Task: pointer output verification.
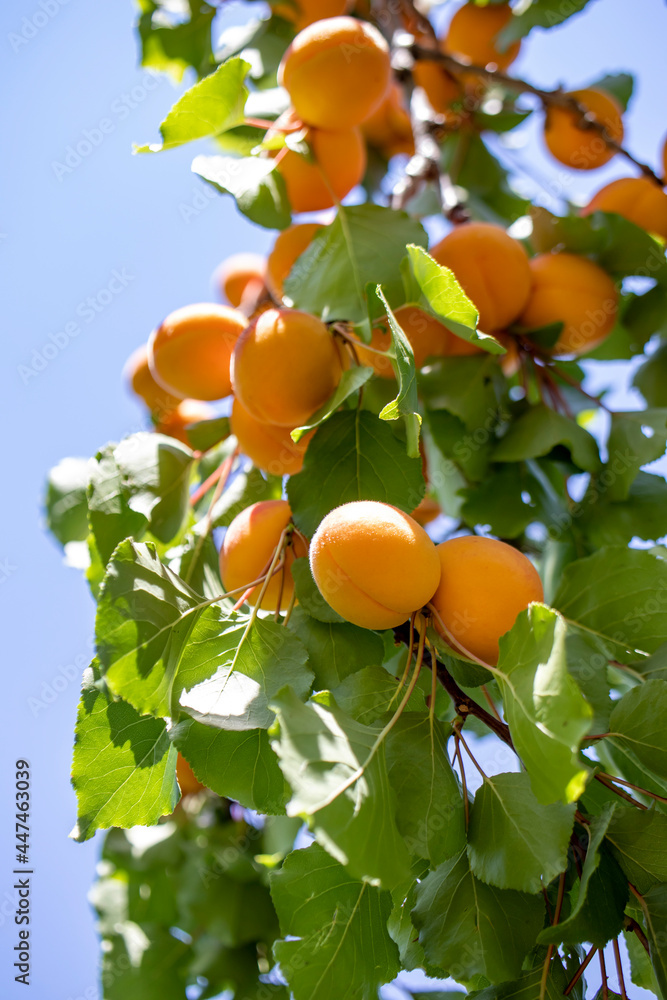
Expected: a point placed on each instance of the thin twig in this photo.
(579, 973)
(550, 949)
(619, 968)
(605, 780)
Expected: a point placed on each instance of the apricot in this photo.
(638, 199)
(301, 13)
(337, 72)
(189, 352)
(427, 335)
(491, 267)
(248, 549)
(137, 375)
(270, 448)
(240, 278)
(338, 165)
(579, 147)
(188, 782)
(373, 564)
(441, 88)
(287, 249)
(472, 34)
(284, 367)
(575, 291)
(426, 511)
(484, 585)
(389, 128)
(175, 423)
(664, 160)
(510, 362)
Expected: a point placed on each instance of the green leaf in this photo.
(635, 439)
(655, 902)
(147, 618)
(342, 790)
(65, 501)
(642, 514)
(468, 928)
(442, 295)
(252, 663)
(539, 14)
(197, 562)
(515, 842)
(619, 85)
(336, 650)
(458, 446)
(254, 183)
(172, 48)
(539, 430)
(637, 722)
(430, 805)
(351, 381)
(598, 907)
(529, 986)
(353, 456)
(311, 601)
(237, 765)
(124, 768)
(206, 434)
(640, 964)
(651, 377)
(498, 501)
(465, 387)
(371, 692)
(491, 192)
(213, 105)
(406, 403)
(340, 924)
(110, 515)
(545, 710)
(363, 246)
(616, 594)
(245, 489)
(638, 840)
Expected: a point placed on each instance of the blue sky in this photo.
(92, 258)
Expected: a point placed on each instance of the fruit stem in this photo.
(603, 973)
(464, 782)
(225, 472)
(619, 968)
(411, 640)
(579, 973)
(490, 702)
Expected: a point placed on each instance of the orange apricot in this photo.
(491, 267)
(284, 367)
(337, 72)
(472, 34)
(189, 352)
(510, 362)
(188, 782)
(249, 546)
(338, 164)
(484, 585)
(664, 160)
(270, 448)
(301, 13)
(427, 335)
(240, 278)
(572, 143)
(373, 564)
(287, 249)
(638, 199)
(137, 375)
(389, 128)
(174, 423)
(575, 291)
(426, 511)
(440, 87)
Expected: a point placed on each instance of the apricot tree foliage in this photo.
(454, 387)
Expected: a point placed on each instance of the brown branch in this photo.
(549, 98)
(579, 973)
(607, 782)
(632, 925)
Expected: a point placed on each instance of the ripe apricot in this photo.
(304, 12)
(174, 423)
(426, 511)
(189, 352)
(438, 84)
(284, 367)
(338, 164)
(337, 72)
(248, 549)
(638, 199)
(389, 128)
(484, 585)
(287, 249)
(241, 277)
(575, 291)
(269, 447)
(427, 335)
(138, 376)
(579, 147)
(188, 782)
(491, 267)
(472, 34)
(373, 564)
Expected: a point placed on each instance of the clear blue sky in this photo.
(62, 239)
